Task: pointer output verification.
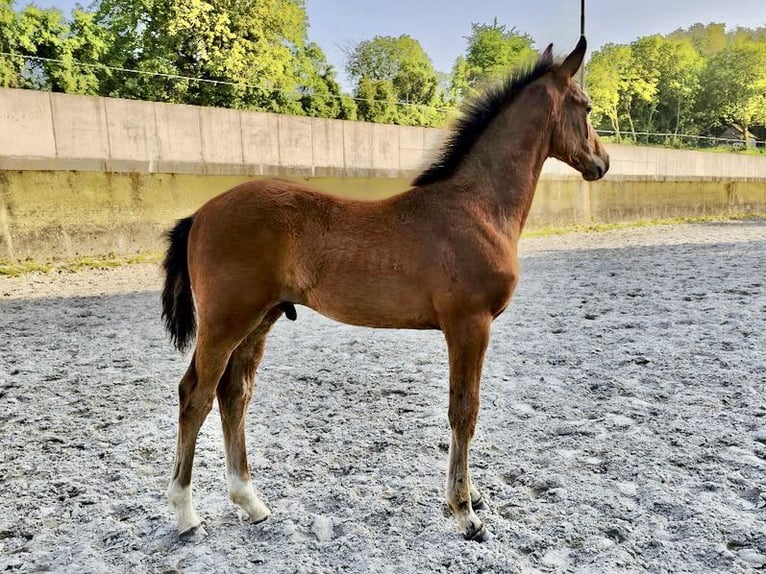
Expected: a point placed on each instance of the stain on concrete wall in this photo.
(54, 214)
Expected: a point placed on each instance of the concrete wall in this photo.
(66, 214)
(49, 131)
(84, 176)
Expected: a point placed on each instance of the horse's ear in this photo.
(547, 56)
(573, 61)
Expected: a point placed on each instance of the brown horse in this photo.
(441, 255)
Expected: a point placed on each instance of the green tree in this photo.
(252, 54)
(43, 33)
(740, 34)
(492, 51)
(608, 78)
(690, 81)
(376, 100)
(395, 81)
(665, 81)
(10, 67)
(707, 39)
(53, 48)
(639, 100)
(680, 69)
(651, 85)
(734, 86)
(321, 95)
(86, 44)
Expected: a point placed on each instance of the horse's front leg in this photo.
(467, 340)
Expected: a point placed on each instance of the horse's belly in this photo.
(368, 302)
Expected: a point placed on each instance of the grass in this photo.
(601, 227)
(21, 268)
(109, 261)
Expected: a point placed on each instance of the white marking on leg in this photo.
(243, 495)
(181, 499)
(459, 491)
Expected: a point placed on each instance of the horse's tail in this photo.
(177, 301)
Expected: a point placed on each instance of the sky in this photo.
(442, 25)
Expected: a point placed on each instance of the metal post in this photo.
(582, 33)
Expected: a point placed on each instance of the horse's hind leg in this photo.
(196, 393)
(467, 340)
(234, 394)
(477, 498)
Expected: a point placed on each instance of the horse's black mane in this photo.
(476, 114)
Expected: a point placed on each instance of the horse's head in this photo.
(573, 139)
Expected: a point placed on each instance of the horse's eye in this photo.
(588, 108)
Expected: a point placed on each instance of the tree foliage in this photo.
(493, 51)
(10, 67)
(707, 39)
(320, 91)
(251, 54)
(691, 81)
(608, 83)
(54, 47)
(232, 53)
(395, 81)
(735, 86)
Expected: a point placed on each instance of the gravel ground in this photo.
(622, 429)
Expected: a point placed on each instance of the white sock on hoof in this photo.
(243, 495)
(181, 499)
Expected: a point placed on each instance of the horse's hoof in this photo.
(480, 535)
(255, 521)
(256, 517)
(194, 534)
(479, 503)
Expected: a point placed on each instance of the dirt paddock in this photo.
(622, 428)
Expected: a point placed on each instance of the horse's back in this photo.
(359, 262)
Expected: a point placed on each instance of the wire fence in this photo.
(677, 140)
(268, 88)
(682, 140)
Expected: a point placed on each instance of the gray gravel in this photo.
(622, 429)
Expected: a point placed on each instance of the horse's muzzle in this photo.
(597, 169)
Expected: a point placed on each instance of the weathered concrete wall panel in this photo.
(260, 141)
(79, 125)
(296, 151)
(357, 148)
(385, 150)
(26, 125)
(132, 132)
(179, 135)
(327, 147)
(413, 151)
(221, 138)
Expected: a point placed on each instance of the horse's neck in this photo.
(505, 163)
